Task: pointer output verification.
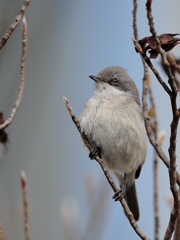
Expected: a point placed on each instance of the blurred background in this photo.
(68, 195)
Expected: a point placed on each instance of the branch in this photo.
(147, 120)
(149, 63)
(145, 85)
(134, 13)
(174, 125)
(106, 173)
(156, 183)
(25, 205)
(14, 24)
(159, 48)
(16, 106)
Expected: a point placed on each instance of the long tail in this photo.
(131, 198)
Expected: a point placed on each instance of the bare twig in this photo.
(159, 48)
(14, 24)
(155, 129)
(106, 173)
(156, 73)
(134, 13)
(156, 198)
(16, 106)
(177, 229)
(156, 146)
(155, 178)
(25, 205)
(151, 137)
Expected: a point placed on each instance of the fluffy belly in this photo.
(118, 132)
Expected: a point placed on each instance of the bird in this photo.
(112, 120)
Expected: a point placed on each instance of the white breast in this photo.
(112, 121)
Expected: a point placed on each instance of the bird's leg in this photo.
(121, 192)
(95, 152)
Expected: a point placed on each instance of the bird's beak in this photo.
(95, 78)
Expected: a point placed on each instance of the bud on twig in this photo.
(23, 180)
(24, 26)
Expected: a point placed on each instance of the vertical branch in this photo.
(16, 106)
(147, 87)
(159, 48)
(134, 13)
(25, 205)
(147, 120)
(156, 198)
(174, 125)
(155, 164)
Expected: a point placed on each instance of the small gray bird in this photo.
(112, 120)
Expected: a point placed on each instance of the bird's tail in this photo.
(131, 198)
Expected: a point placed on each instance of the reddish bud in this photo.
(23, 180)
(24, 26)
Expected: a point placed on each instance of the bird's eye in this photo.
(114, 80)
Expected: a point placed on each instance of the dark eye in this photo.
(114, 80)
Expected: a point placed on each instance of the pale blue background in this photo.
(67, 41)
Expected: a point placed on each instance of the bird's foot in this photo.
(94, 153)
(121, 192)
(118, 195)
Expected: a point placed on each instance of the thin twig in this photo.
(145, 78)
(134, 13)
(106, 173)
(156, 198)
(155, 178)
(156, 73)
(159, 48)
(174, 125)
(147, 120)
(16, 106)
(14, 24)
(177, 229)
(25, 205)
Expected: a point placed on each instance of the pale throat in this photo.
(106, 89)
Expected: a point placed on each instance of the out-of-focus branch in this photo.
(16, 106)
(155, 163)
(106, 173)
(14, 24)
(25, 205)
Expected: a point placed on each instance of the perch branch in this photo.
(16, 106)
(106, 173)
